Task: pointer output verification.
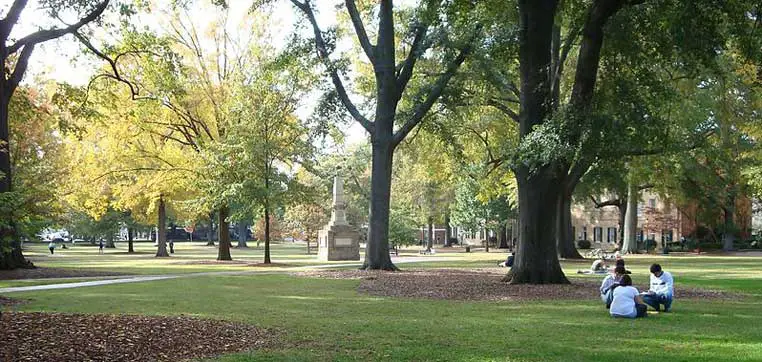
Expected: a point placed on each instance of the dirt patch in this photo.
(480, 285)
(42, 273)
(4, 301)
(78, 337)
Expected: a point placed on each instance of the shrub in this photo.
(453, 241)
(709, 246)
(583, 244)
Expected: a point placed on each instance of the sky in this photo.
(61, 60)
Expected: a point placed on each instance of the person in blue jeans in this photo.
(662, 289)
(610, 282)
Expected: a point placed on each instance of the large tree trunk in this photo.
(242, 230)
(448, 228)
(728, 236)
(210, 233)
(564, 234)
(162, 230)
(110, 241)
(130, 241)
(223, 252)
(503, 237)
(11, 256)
(267, 232)
(630, 244)
(536, 258)
(377, 246)
(622, 214)
(430, 241)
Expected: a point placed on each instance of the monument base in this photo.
(338, 242)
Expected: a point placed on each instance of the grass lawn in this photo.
(323, 319)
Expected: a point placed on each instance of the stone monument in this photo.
(338, 240)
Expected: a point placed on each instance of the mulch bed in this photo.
(41, 273)
(9, 301)
(231, 262)
(479, 285)
(78, 337)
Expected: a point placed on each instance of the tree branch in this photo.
(333, 72)
(503, 108)
(45, 35)
(416, 50)
(20, 68)
(422, 108)
(598, 204)
(10, 20)
(362, 36)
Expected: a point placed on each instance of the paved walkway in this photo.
(148, 278)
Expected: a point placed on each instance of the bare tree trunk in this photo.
(622, 214)
(242, 230)
(223, 252)
(130, 242)
(503, 237)
(430, 241)
(377, 246)
(448, 228)
(630, 244)
(536, 256)
(728, 237)
(267, 232)
(162, 230)
(564, 234)
(110, 241)
(210, 233)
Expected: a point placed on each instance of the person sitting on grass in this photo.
(627, 302)
(598, 267)
(662, 289)
(620, 262)
(508, 262)
(610, 282)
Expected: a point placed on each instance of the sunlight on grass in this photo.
(326, 319)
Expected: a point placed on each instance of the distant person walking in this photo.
(100, 247)
(52, 247)
(171, 246)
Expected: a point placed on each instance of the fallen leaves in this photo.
(479, 284)
(79, 337)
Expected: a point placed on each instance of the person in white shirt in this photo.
(627, 302)
(662, 289)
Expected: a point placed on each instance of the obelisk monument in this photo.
(338, 240)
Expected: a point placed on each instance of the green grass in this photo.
(324, 320)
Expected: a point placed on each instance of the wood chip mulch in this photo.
(480, 285)
(122, 338)
(42, 273)
(9, 301)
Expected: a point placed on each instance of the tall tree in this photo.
(392, 79)
(14, 58)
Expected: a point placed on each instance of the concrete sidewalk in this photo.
(148, 278)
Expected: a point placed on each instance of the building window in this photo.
(640, 234)
(652, 203)
(611, 235)
(584, 233)
(598, 234)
